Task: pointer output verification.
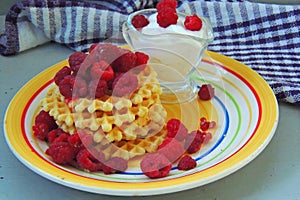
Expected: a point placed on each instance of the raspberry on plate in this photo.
(88, 161)
(155, 165)
(97, 88)
(115, 164)
(194, 141)
(186, 163)
(193, 23)
(59, 76)
(61, 152)
(206, 92)
(125, 84)
(55, 135)
(139, 21)
(44, 117)
(75, 60)
(171, 149)
(176, 129)
(102, 70)
(66, 86)
(124, 62)
(40, 131)
(141, 58)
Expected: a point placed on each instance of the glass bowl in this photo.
(174, 52)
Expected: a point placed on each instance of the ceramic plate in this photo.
(244, 108)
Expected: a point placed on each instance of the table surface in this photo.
(274, 174)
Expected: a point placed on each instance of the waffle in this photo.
(119, 118)
(130, 149)
(55, 104)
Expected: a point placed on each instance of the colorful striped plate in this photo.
(244, 107)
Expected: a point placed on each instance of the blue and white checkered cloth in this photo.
(266, 37)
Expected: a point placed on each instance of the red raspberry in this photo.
(102, 70)
(66, 86)
(87, 160)
(75, 142)
(141, 58)
(194, 141)
(97, 88)
(92, 47)
(177, 130)
(106, 52)
(55, 133)
(80, 87)
(40, 131)
(204, 125)
(166, 17)
(115, 164)
(44, 117)
(206, 92)
(166, 3)
(193, 23)
(171, 149)
(75, 60)
(65, 71)
(186, 163)
(206, 137)
(125, 84)
(155, 165)
(139, 21)
(125, 62)
(61, 152)
(86, 139)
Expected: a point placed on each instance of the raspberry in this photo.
(102, 70)
(65, 71)
(125, 62)
(55, 133)
(75, 60)
(88, 162)
(40, 131)
(155, 165)
(97, 88)
(206, 92)
(193, 141)
(171, 149)
(125, 84)
(92, 47)
(193, 23)
(115, 164)
(186, 163)
(75, 142)
(204, 125)
(61, 152)
(80, 87)
(106, 52)
(86, 139)
(44, 117)
(139, 21)
(166, 17)
(66, 86)
(206, 137)
(177, 130)
(141, 58)
(166, 3)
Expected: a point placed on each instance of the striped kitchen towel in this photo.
(266, 37)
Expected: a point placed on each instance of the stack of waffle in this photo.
(120, 126)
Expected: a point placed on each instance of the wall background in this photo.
(6, 4)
